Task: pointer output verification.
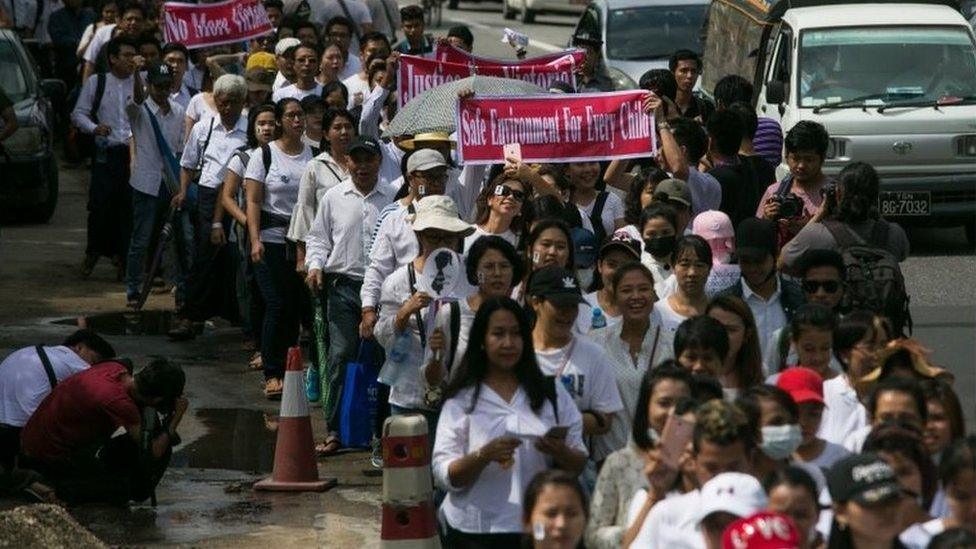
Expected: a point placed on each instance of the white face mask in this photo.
(780, 441)
(585, 277)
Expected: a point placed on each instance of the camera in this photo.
(790, 206)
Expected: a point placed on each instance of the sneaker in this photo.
(376, 458)
(313, 384)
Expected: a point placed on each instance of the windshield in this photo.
(654, 32)
(885, 65)
(12, 80)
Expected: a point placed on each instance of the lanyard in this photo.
(569, 354)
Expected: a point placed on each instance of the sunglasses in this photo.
(502, 190)
(829, 286)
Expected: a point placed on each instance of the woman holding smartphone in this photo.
(492, 433)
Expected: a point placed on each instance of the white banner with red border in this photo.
(555, 128)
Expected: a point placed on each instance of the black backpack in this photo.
(873, 276)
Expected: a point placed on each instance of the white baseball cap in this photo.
(736, 493)
(286, 44)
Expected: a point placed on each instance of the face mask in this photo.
(653, 436)
(585, 277)
(780, 441)
(660, 246)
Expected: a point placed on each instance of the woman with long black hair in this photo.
(501, 423)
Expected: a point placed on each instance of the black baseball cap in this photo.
(756, 238)
(864, 478)
(159, 74)
(365, 144)
(462, 32)
(556, 285)
(622, 242)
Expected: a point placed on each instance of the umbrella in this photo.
(434, 109)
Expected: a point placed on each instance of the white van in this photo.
(895, 86)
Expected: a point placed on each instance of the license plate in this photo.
(905, 203)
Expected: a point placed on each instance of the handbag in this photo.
(360, 394)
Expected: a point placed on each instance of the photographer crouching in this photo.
(69, 439)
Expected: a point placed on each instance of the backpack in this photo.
(872, 273)
(586, 243)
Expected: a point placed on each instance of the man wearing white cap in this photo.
(336, 258)
(285, 59)
(394, 243)
(726, 498)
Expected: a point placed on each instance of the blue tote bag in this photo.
(359, 399)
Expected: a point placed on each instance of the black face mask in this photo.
(660, 246)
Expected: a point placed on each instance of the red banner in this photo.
(555, 128)
(419, 74)
(201, 25)
(451, 54)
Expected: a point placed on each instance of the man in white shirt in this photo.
(285, 61)
(131, 23)
(25, 380)
(109, 202)
(372, 44)
(771, 298)
(394, 243)
(304, 84)
(337, 254)
(177, 57)
(212, 142)
(340, 30)
(323, 11)
(151, 171)
(724, 441)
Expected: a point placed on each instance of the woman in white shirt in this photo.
(658, 230)
(492, 266)
(617, 251)
(502, 423)
(633, 346)
(499, 210)
(271, 182)
(260, 131)
(325, 171)
(332, 63)
(584, 177)
(692, 260)
(401, 328)
(108, 12)
(639, 196)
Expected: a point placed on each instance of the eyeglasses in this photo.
(829, 286)
(295, 115)
(502, 190)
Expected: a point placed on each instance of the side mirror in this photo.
(53, 88)
(775, 92)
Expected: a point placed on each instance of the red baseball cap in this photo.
(803, 384)
(763, 530)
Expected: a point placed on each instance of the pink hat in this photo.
(712, 225)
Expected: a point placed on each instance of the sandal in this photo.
(256, 364)
(273, 388)
(329, 447)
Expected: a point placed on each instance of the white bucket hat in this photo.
(439, 212)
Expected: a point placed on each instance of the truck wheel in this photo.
(528, 15)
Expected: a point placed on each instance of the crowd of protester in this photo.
(676, 351)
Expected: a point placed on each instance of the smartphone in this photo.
(675, 438)
(513, 151)
(559, 431)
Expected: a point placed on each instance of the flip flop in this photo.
(256, 364)
(329, 447)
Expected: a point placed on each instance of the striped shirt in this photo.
(768, 142)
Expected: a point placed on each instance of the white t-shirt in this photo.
(198, 108)
(918, 535)
(669, 320)
(832, 453)
(613, 210)
(507, 236)
(280, 185)
(586, 374)
(24, 383)
(593, 301)
(102, 37)
(844, 413)
(279, 82)
(671, 524)
(358, 89)
(292, 90)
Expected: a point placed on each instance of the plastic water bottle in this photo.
(101, 149)
(599, 320)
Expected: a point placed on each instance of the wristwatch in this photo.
(663, 125)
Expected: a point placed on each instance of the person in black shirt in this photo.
(740, 186)
(765, 171)
(687, 67)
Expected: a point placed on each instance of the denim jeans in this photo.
(344, 313)
(109, 205)
(146, 209)
(211, 290)
(282, 289)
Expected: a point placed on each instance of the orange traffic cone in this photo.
(294, 466)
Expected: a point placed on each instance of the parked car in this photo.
(639, 35)
(530, 8)
(894, 83)
(29, 186)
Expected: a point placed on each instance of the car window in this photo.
(654, 32)
(12, 78)
(886, 64)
